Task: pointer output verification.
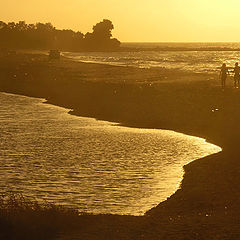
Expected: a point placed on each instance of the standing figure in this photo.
(223, 75)
(236, 71)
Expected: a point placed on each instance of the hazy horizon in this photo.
(181, 42)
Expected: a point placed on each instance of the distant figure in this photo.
(223, 75)
(236, 71)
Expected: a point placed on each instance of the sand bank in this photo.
(206, 206)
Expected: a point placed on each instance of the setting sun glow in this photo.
(136, 20)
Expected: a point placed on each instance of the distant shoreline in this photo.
(149, 49)
(178, 49)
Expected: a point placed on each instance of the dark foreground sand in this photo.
(208, 204)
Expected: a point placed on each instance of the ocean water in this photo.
(94, 166)
(186, 61)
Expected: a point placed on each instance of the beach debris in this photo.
(54, 54)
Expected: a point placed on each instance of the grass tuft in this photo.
(21, 218)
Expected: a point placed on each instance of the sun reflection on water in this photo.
(92, 165)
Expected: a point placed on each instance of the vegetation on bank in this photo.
(25, 219)
(21, 218)
(45, 36)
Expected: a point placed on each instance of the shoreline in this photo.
(115, 124)
(207, 187)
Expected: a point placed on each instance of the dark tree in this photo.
(103, 30)
(100, 39)
(46, 36)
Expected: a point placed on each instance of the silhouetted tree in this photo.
(100, 38)
(46, 36)
(103, 30)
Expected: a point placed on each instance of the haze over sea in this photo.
(94, 166)
(190, 60)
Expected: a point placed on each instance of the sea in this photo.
(186, 57)
(93, 166)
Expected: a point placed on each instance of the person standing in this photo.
(236, 71)
(223, 75)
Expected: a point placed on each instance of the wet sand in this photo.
(207, 205)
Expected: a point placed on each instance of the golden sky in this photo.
(136, 20)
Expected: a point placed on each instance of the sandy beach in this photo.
(207, 204)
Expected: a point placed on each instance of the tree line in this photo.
(45, 36)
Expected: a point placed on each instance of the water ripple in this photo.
(92, 165)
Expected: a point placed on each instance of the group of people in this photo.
(225, 71)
